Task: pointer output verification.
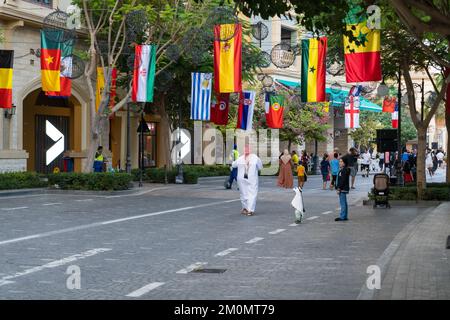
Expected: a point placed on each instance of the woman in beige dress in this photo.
(285, 177)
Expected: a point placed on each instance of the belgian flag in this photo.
(6, 75)
(50, 64)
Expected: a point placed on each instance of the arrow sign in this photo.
(183, 145)
(56, 136)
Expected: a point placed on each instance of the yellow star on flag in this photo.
(49, 59)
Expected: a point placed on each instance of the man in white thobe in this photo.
(248, 166)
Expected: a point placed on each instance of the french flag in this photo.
(245, 111)
(395, 117)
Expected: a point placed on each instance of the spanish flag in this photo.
(228, 58)
(50, 64)
(314, 52)
(362, 50)
(6, 74)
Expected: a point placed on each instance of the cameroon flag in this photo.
(314, 52)
(362, 50)
(65, 81)
(228, 58)
(6, 74)
(50, 64)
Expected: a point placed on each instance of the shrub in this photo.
(434, 191)
(191, 173)
(90, 181)
(20, 180)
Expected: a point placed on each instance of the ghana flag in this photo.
(314, 52)
(228, 58)
(6, 74)
(50, 64)
(361, 48)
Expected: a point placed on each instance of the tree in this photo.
(165, 22)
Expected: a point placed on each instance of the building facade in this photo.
(24, 142)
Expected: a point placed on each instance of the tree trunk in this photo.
(421, 170)
(447, 124)
(289, 144)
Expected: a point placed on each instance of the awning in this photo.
(337, 97)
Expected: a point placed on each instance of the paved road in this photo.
(144, 245)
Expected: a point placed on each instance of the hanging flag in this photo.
(267, 102)
(395, 117)
(313, 69)
(65, 74)
(99, 88)
(274, 117)
(245, 111)
(200, 96)
(352, 108)
(144, 73)
(6, 76)
(219, 110)
(389, 104)
(50, 64)
(228, 58)
(112, 91)
(362, 51)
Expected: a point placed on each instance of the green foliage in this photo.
(191, 173)
(433, 192)
(20, 180)
(90, 181)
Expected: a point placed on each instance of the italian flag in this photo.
(144, 73)
(314, 53)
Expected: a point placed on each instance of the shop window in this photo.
(150, 146)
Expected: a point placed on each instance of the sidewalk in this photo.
(419, 267)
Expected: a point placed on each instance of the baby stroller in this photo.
(381, 190)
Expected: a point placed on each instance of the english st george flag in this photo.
(6, 76)
(314, 52)
(228, 58)
(144, 73)
(362, 50)
(245, 111)
(219, 110)
(352, 108)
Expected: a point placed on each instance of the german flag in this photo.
(228, 58)
(6, 75)
(361, 49)
(314, 53)
(50, 64)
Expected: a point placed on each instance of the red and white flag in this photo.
(395, 117)
(219, 111)
(352, 108)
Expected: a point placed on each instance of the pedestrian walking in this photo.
(342, 188)
(407, 174)
(440, 158)
(305, 159)
(325, 171)
(352, 163)
(99, 160)
(285, 177)
(301, 174)
(233, 174)
(365, 164)
(429, 163)
(295, 159)
(334, 164)
(248, 166)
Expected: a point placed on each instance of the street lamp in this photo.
(128, 161)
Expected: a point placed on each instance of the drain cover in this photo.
(211, 270)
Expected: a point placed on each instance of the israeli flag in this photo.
(201, 96)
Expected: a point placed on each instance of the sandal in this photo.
(249, 213)
(244, 211)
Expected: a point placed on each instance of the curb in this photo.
(422, 203)
(20, 192)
